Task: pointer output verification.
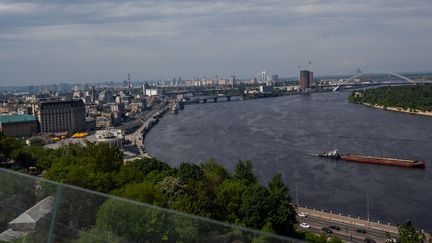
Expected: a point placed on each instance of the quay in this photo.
(148, 121)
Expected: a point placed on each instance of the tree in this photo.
(282, 215)
(189, 172)
(145, 192)
(143, 169)
(7, 145)
(216, 173)
(96, 235)
(229, 197)
(37, 142)
(243, 171)
(409, 234)
(255, 206)
(133, 221)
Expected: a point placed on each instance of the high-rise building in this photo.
(62, 116)
(262, 77)
(306, 79)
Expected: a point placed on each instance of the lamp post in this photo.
(367, 196)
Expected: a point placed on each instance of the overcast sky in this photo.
(86, 40)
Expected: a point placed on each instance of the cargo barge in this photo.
(334, 154)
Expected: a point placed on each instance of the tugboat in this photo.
(334, 154)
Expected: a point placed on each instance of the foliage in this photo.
(146, 192)
(206, 189)
(134, 222)
(229, 196)
(92, 166)
(282, 215)
(243, 171)
(416, 97)
(408, 233)
(8, 145)
(319, 238)
(96, 235)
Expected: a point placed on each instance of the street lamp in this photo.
(367, 196)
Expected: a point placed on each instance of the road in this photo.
(136, 138)
(348, 226)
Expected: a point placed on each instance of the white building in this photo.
(114, 137)
(153, 92)
(263, 77)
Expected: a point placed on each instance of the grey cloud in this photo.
(103, 39)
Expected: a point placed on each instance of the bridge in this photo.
(202, 91)
(205, 99)
(354, 81)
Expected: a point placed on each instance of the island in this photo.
(415, 99)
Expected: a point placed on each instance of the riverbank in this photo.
(398, 109)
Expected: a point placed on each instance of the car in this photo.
(304, 225)
(391, 239)
(361, 231)
(369, 240)
(302, 215)
(327, 230)
(335, 227)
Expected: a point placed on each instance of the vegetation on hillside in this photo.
(416, 97)
(206, 189)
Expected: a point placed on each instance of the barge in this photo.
(334, 154)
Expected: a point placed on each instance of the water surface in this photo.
(279, 134)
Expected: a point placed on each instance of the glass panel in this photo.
(33, 209)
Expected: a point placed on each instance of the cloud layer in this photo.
(70, 41)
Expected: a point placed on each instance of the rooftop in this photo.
(16, 118)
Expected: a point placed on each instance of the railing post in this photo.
(54, 213)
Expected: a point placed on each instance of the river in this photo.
(279, 134)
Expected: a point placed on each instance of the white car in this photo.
(304, 225)
(302, 215)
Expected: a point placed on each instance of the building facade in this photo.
(111, 136)
(306, 79)
(62, 116)
(18, 125)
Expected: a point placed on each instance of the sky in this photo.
(47, 41)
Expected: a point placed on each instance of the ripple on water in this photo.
(279, 135)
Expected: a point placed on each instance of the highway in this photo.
(347, 231)
(348, 226)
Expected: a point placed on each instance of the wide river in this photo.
(280, 134)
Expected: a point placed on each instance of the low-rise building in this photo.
(18, 125)
(113, 137)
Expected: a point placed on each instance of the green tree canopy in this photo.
(244, 171)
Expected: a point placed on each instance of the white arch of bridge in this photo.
(378, 72)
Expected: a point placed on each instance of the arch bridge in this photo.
(350, 80)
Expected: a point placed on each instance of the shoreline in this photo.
(397, 109)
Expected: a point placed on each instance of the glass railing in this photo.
(34, 209)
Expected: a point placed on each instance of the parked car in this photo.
(302, 215)
(304, 225)
(361, 231)
(327, 230)
(334, 227)
(369, 240)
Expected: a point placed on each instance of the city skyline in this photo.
(58, 41)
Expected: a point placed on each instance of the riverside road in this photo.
(279, 134)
